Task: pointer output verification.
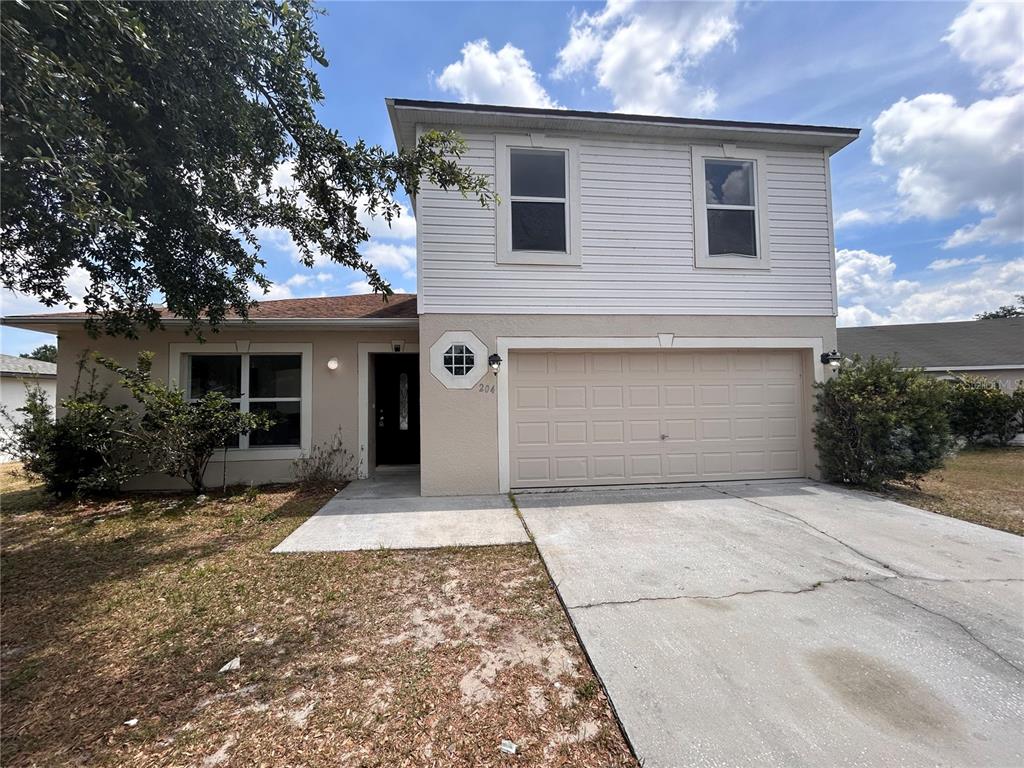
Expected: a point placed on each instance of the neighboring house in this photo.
(648, 303)
(990, 348)
(17, 374)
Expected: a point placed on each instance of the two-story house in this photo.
(649, 302)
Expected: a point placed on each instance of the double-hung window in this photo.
(729, 209)
(538, 216)
(254, 383)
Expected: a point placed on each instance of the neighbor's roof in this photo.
(406, 114)
(973, 344)
(364, 309)
(25, 366)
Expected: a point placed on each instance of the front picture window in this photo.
(459, 360)
(270, 384)
(731, 207)
(538, 199)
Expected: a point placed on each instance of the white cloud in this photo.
(392, 256)
(644, 54)
(990, 37)
(870, 294)
(952, 159)
(359, 286)
(856, 216)
(863, 278)
(943, 264)
(299, 285)
(484, 76)
(76, 283)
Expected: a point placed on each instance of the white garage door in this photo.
(606, 418)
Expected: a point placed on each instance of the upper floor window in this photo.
(538, 216)
(539, 210)
(729, 209)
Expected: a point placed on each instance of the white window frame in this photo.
(179, 367)
(702, 258)
(504, 144)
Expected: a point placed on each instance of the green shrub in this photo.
(87, 451)
(176, 436)
(877, 423)
(980, 411)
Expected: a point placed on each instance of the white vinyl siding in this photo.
(637, 241)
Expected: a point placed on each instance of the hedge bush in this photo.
(981, 412)
(877, 423)
(86, 452)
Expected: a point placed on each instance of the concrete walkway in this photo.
(793, 624)
(387, 512)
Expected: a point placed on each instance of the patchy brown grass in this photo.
(984, 486)
(127, 609)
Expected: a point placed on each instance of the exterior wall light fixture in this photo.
(495, 362)
(832, 358)
(332, 364)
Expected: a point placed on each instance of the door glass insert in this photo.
(403, 401)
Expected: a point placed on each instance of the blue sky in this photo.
(929, 202)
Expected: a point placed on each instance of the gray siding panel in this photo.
(637, 242)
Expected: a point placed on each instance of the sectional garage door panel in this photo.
(606, 418)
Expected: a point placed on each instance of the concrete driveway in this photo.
(793, 624)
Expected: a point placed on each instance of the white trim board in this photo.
(365, 349)
(174, 369)
(507, 344)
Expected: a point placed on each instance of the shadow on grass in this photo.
(70, 570)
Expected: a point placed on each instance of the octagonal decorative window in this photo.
(459, 360)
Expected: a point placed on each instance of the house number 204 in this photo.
(485, 388)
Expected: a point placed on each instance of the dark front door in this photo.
(397, 400)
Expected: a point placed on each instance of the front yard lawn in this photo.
(983, 485)
(125, 610)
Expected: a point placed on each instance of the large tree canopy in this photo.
(139, 141)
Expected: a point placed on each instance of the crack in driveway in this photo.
(953, 621)
(790, 515)
(659, 598)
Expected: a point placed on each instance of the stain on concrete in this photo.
(882, 694)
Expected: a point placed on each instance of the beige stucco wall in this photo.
(335, 393)
(465, 460)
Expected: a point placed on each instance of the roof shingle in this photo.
(26, 366)
(359, 307)
(940, 345)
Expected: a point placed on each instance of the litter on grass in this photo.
(232, 665)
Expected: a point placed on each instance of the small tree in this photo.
(176, 436)
(1007, 310)
(980, 411)
(877, 423)
(87, 451)
(45, 352)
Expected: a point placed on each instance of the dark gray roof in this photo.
(623, 116)
(24, 366)
(973, 343)
(407, 114)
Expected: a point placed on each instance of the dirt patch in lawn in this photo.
(118, 615)
(984, 486)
